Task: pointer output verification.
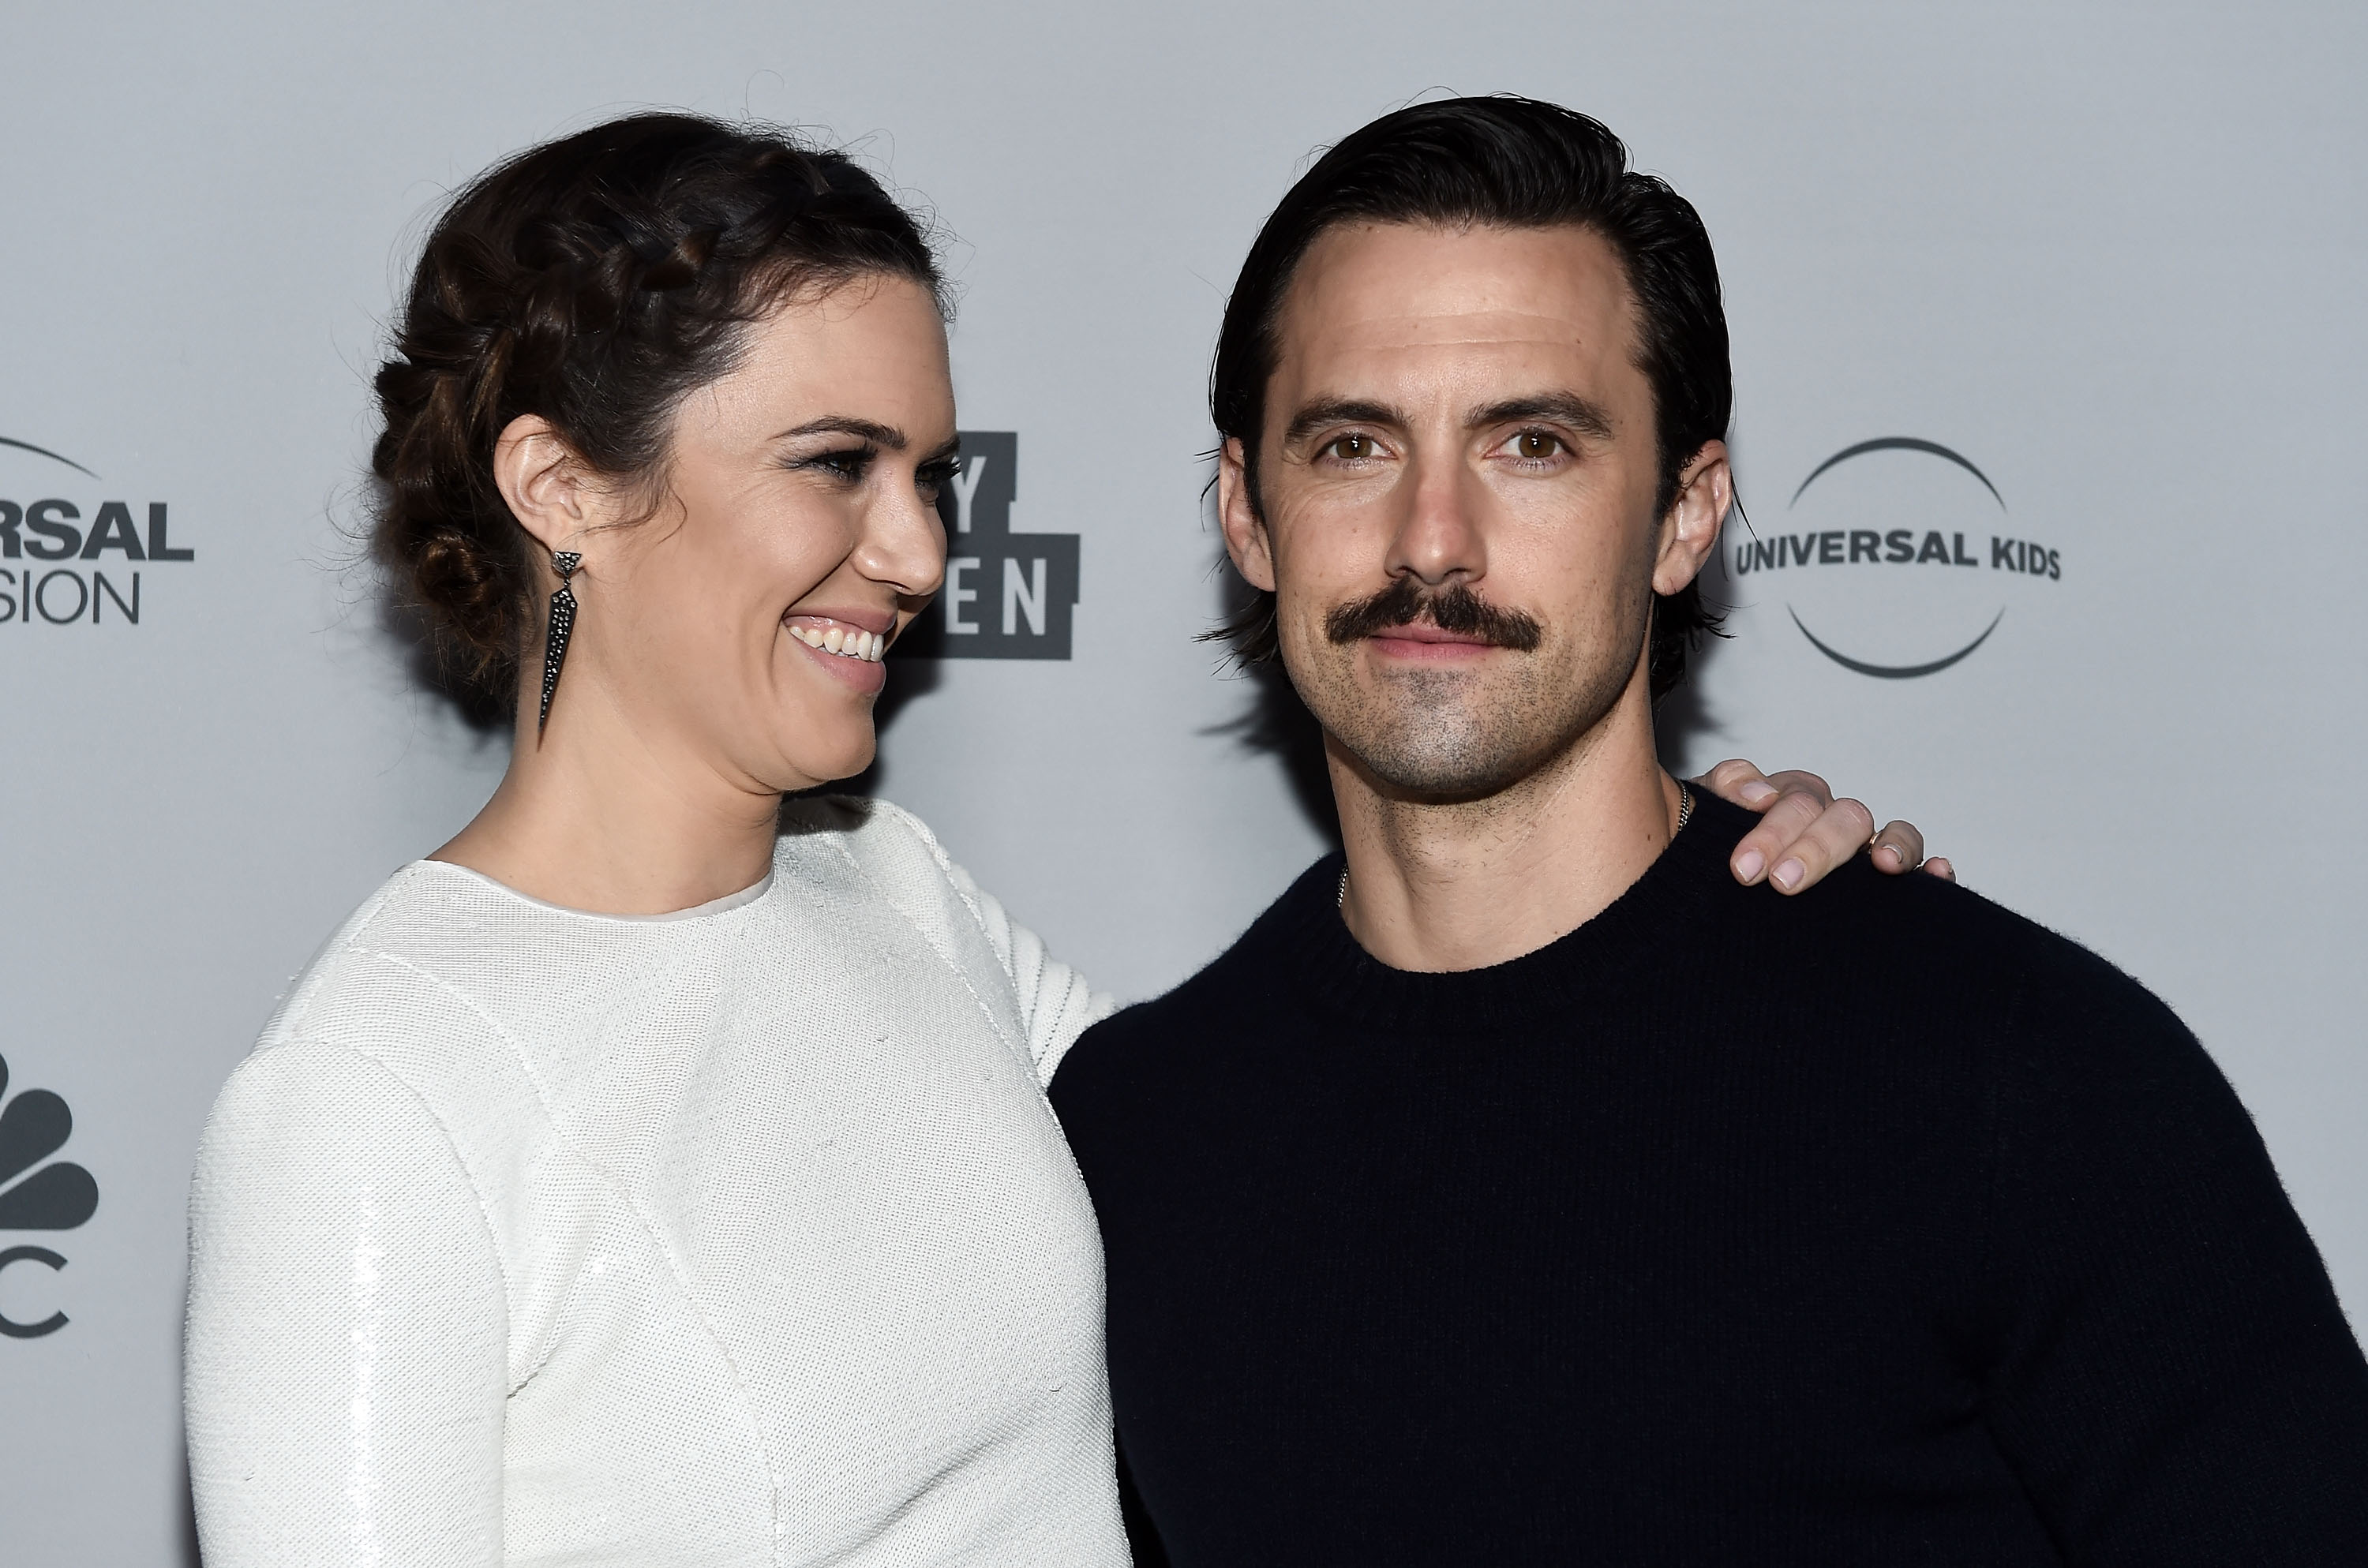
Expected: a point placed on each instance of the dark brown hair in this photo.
(595, 281)
(1513, 163)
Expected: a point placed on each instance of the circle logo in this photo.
(1896, 560)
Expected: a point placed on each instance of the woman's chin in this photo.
(828, 765)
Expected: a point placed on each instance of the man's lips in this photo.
(1422, 631)
(1427, 644)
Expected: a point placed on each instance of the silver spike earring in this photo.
(562, 622)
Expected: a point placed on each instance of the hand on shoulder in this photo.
(1803, 833)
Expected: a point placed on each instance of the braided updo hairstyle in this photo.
(595, 281)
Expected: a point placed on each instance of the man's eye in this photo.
(1351, 448)
(1537, 446)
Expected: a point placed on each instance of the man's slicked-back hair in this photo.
(1503, 163)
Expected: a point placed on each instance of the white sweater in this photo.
(739, 1236)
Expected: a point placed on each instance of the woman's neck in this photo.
(596, 817)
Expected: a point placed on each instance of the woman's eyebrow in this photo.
(872, 430)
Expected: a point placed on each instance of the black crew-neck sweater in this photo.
(1874, 1226)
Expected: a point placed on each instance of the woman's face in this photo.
(739, 628)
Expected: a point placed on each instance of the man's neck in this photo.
(1439, 886)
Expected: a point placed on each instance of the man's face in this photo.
(1457, 472)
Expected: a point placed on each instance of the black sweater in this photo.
(1876, 1226)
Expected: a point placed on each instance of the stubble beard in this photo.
(1447, 735)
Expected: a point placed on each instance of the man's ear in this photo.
(545, 483)
(1246, 539)
(1705, 491)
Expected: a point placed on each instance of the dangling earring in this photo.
(563, 621)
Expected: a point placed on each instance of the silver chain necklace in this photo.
(1685, 815)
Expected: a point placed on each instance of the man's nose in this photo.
(1439, 538)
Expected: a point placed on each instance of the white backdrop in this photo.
(2109, 256)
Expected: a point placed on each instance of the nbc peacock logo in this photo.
(58, 1196)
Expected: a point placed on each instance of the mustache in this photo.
(1453, 608)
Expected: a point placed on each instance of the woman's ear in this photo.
(1245, 538)
(1705, 491)
(545, 482)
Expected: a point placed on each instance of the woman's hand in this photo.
(1805, 832)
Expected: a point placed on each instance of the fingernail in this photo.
(1788, 875)
(1750, 866)
(1890, 857)
(1759, 792)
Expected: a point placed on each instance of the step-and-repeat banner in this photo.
(2049, 341)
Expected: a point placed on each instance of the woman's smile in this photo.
(846, 645)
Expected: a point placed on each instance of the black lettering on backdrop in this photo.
(1895, 547)
(49, 1325)
(158, 550)
(50, 529)
(100, 585)
(45, 518)
(1006, 595)
(112, 530)
(41, 596)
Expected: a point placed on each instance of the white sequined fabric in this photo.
(530, 1236)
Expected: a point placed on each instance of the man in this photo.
(1470, 1209)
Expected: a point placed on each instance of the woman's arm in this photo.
(346, 1355)
(1805, 832)
(1056, 1005)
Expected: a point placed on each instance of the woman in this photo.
(658, 1175)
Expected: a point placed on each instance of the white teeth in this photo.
(847, 642)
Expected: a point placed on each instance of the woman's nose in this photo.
(904, 545)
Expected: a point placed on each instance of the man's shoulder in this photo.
(1917, 941)
(1232, 996)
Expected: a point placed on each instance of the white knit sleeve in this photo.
(345, 1342)
(1055, 1004)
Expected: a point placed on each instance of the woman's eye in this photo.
(850, 465)
(1351, 448)
(1537, 446)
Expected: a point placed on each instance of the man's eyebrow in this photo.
(1563, 408)
(1314, 416)
(872, 430)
